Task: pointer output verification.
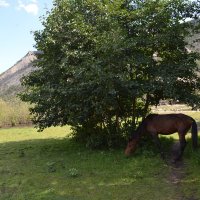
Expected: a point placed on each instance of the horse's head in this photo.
(131, 146)
(133, 141)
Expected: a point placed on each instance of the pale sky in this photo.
(18, 18)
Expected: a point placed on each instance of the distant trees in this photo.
(106, 62)
(13, 112)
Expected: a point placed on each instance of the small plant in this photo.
(51, 167)
(139, 175)
(73, 172)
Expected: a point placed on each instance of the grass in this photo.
(191, 182)
(51, 166)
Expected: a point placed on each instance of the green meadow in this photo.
(52, 166)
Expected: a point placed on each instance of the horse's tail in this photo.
(194, 134)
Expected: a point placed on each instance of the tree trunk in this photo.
(134, 112)
(146, 106)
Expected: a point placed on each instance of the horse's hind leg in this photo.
(158, 144)
(182, 144)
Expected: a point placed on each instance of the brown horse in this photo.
(165, 124)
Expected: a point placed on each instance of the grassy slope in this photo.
(51, 166)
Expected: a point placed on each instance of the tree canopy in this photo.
(105, 62)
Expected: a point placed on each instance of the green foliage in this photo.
(105, 62)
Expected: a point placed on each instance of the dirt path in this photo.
(177, 168)
(178, 173)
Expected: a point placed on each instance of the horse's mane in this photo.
(150, 116)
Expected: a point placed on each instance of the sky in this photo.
(18, 19)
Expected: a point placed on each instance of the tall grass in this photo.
(13, 112)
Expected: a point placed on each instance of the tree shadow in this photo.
(148, 147)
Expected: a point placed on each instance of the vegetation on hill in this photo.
(12, 76)
(12, 110)
(10, 92)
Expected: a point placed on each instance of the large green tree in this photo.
(105, 62)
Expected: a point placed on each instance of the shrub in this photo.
(99, 137)
(13, 112)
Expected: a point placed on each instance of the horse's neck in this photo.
(141, 128)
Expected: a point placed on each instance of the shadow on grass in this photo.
(33, 169)
(148, 147)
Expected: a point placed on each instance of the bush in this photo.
(99, 137)
(13, 112)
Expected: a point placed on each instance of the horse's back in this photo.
(167, 123)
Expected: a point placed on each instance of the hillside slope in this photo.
(10, 79)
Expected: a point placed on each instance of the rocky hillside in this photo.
(195, 45)
(10, 79)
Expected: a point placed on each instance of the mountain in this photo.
(10, 79)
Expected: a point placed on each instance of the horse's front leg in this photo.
(158, 144)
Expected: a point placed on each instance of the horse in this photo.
(164, 124)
